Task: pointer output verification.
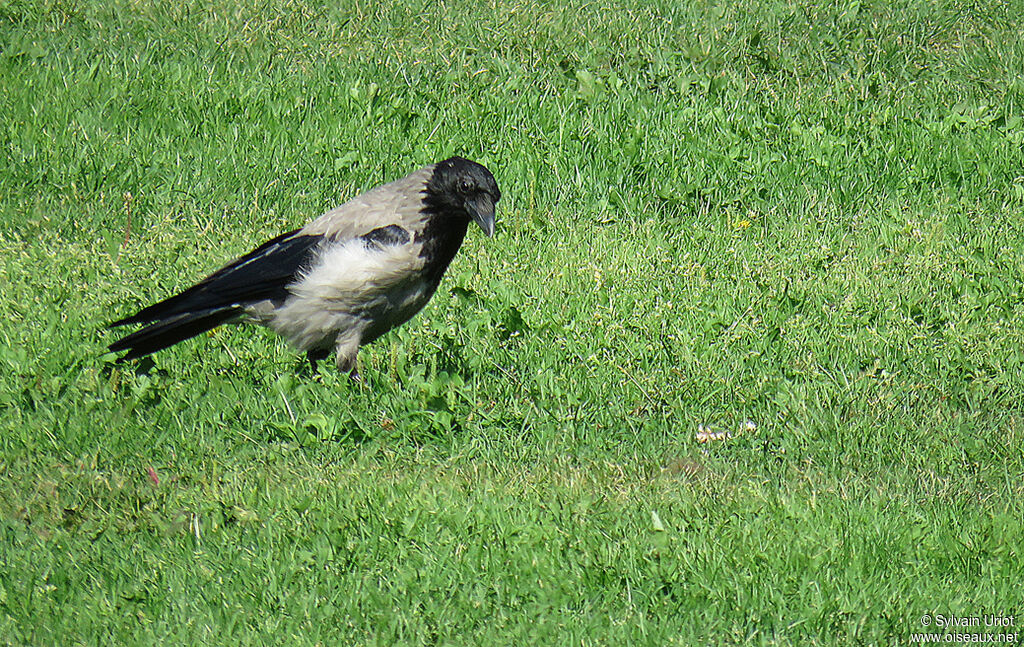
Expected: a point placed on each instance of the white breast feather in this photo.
(348, 279)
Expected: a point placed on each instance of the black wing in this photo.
(387, 236)
(263, 273)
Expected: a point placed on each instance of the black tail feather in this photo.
(170, 331)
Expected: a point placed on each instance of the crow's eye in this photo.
(466, 186)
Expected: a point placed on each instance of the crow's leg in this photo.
(346, 350)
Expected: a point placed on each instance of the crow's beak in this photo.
(481, 209)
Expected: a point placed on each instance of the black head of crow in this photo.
(344, 279)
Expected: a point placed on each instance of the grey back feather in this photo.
(395, 203)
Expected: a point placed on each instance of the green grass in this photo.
(799, 215)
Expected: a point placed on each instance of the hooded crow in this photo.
(344, 279)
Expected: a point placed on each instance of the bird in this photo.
(341, 281)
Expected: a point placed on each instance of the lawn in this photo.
(744, 363)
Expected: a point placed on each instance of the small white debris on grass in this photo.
(706, 435)
(656, 524)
